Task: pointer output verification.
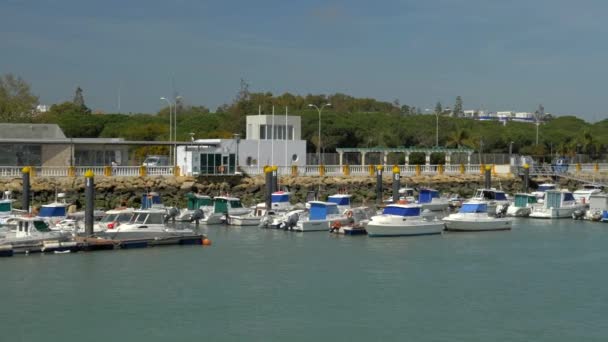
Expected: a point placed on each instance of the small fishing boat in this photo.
(598, 208)
(319, 217)
(496, 200)
(54, 212)
(145, 224)
(196, 205)
(403, 220)
(522, 205)
(583, 195)
(31, 231)
(429, 199)
(355, 221)
(113, 218)
(557, 204)
(542, 188)
(473, 216)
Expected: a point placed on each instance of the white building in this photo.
(268, 141)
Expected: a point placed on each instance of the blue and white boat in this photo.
(497, 200)
(320, 215)
(475, 215)
(54, 212)
(542, 188)
(429, 199)
(403, 220)
(557, 204)
(341, 200)
(598, 208)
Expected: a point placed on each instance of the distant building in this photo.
(268, 141)
(42, 108)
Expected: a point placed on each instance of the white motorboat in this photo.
(6, 204)
(598, 208)
(542, 188)
(223, 208)
(341, 200)
(31, 231)
(557, 204)
(54, 212)
(429, 199)
(251, 219)
(319, 217)
(356, 221)
(145, 224)
(522, 205)
(474, 216)
(583, 195)
(403, 220)
(196, 206)
(496, 200)
(113, 218)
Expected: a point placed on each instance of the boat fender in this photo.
(349, 214)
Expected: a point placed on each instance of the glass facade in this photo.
(277, 132)
(20, 155)
(217, 163)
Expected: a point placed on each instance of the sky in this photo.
(497, 55)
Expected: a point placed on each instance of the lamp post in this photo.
(237, 137)
(170, 127)
(319, 142)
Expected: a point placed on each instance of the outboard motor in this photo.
(171, 214)
(197, 215)
(292, 221)
(578, 214)
(501, 210)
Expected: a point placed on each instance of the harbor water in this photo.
(542, 281)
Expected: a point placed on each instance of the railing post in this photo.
(596, 168)
(493, 169)
(176, 171)
(294, 170)
(440, 169)
(142, 171)
(578, 167)
(71, 171)
(107, 171)
(371, 170)
(32, 171)
(346, 170)
(418, 171)
(321, 170)
(462, 169)
(482, 169)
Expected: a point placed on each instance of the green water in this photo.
(542, 281)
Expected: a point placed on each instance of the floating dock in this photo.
(90, 244)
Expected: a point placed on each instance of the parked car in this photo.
(156, 161)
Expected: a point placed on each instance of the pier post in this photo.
(25, 200)
(275, 178)
(268, 175)
(396, 183)
(488, 183)
(526, 178)
(379, 185)
(89, 209)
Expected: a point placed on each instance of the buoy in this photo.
(206, 242)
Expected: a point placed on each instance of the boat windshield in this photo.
(125, 217)
(140, 218)
(235, 204)
(155, 218)
(474, 208)
(109, 218)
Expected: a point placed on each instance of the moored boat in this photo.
(474, 215)
(522, 205)
(319, 217)
(557, 204)
(429, 199)
(403, 220)
(598, 208)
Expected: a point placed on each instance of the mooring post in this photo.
(268, 175)
(89, 209)
(25, 201)
(526, 178)
(275, 178)
(379, 184)
(488, 171)
(396, 183)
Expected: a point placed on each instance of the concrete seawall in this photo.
(116, 191)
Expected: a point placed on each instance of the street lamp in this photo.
(170, 127)
(237, 137)
(319, 143)
(175, 126)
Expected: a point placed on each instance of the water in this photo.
(542, 281)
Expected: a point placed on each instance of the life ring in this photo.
(220, 169)
(349, 214)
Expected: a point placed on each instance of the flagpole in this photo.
(272, 139)
(257, 161)
(286, 135)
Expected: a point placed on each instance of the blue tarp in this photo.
(474, 208)
(339, 200)
(427, 195)
(148, 199)
(401, 211)
(280, 198)
(52, 211)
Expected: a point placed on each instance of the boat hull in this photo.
(464, 225)
(518, 211)
(244, 220)
(551, 213)
(414, 228)
(312, 226)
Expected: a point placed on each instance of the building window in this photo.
(294, 158)
(249, 161)
(262, 131)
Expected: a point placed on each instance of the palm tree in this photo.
(458, 138)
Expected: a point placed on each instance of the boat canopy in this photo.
(399, 210)
(522, 200)
(427, 195)
(6, 206)
(149, 199)
(52, 210)
(545, 187)
(339, 199)
(488, 194)
(320, 210)
(280, 197)
(196, 201)
(474, 208)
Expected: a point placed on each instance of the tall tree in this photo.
(438, 108)
(457, 112)
(79, 101)
(17, 103)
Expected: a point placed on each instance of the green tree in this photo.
(458, 107)
(17, 103)
(459, 138)
(79, 101)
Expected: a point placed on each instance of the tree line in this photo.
(348, 122)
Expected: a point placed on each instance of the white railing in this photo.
(309, 170)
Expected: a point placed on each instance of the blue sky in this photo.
(497, 55)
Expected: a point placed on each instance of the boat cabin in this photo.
(557, 199)
(546, 186)
(25, 227)
(53, 210)
(280, 200)
(524, 200)
(427, 195)
(490, 195)
(196, 201)
(471, 208)
(340, 199)
(148, 217)
(406, 192)
(321, 210)
(223, 204)
(401, 210)
(598, 202)
(6, 204)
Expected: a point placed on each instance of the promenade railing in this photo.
(599, 169)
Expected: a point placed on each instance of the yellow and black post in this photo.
(89, 209)
(488, 183)
(25, 200)
(396, 183)
(379, 184)
(268, 175)
(526, 178)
